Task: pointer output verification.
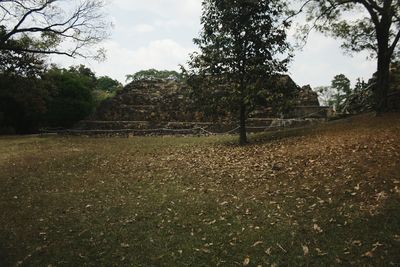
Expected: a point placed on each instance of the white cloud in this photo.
(166, 54)
(322, 59)
(181, 11)
(159, 54)
(143, 28)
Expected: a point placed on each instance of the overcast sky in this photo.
(159, 33)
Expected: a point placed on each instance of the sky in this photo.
(159, 34)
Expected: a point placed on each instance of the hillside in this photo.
(321, 196)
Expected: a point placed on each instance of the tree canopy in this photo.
(107, 84)
(363, 25)
(240, 42)
(70, 96)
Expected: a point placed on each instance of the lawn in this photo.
(321, 196)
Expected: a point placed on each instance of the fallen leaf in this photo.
(257, 243)
(320, 252)
(368, 254)
(246, 261)
(317, 228)
(305, 250)
(124, 245)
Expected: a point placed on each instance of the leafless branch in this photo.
(83, 25)
(395, 42)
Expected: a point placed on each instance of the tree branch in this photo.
(395, 41)
(370, 9)
(14, 30)
(38, 51)
(84, 25)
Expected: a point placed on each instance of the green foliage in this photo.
(375, 28)
(16, 63)
(86, 73)
(71, 96)
(239, 43)
(105, 88)
(153, 74)
(22, 103)
(358, 32)
(341, 86)
(360, 84)
(99, 96)
(107, 84)
(339, 94)
(31, 97)
(22, 96)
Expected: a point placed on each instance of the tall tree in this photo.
(341, 86)
(373, 25)
(241, 41)
(77, 25)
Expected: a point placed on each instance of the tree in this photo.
(105, 88)
(341, 86)
(335, 94)
(22, 103)
(19, 64)
(326, 95)
(153, 74)
(360, 84)
(376, 30)
(49, 23)
(107, 84)
(22, 96)
(239, 43)
(71, 97)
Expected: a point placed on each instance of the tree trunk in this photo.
(242, 125)
(383, 83)
(384, 56)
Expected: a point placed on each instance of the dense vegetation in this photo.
(51, 97)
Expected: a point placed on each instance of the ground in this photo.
(321, 196)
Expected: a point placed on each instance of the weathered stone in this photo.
(155, 104)
(307, 97)
(154, 100)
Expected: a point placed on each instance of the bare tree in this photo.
(68, 27)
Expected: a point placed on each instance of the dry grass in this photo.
(314, 197)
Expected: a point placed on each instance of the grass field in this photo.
(316, 197)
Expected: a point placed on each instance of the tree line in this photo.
(54, 97)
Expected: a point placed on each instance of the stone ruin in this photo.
(164, 104)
